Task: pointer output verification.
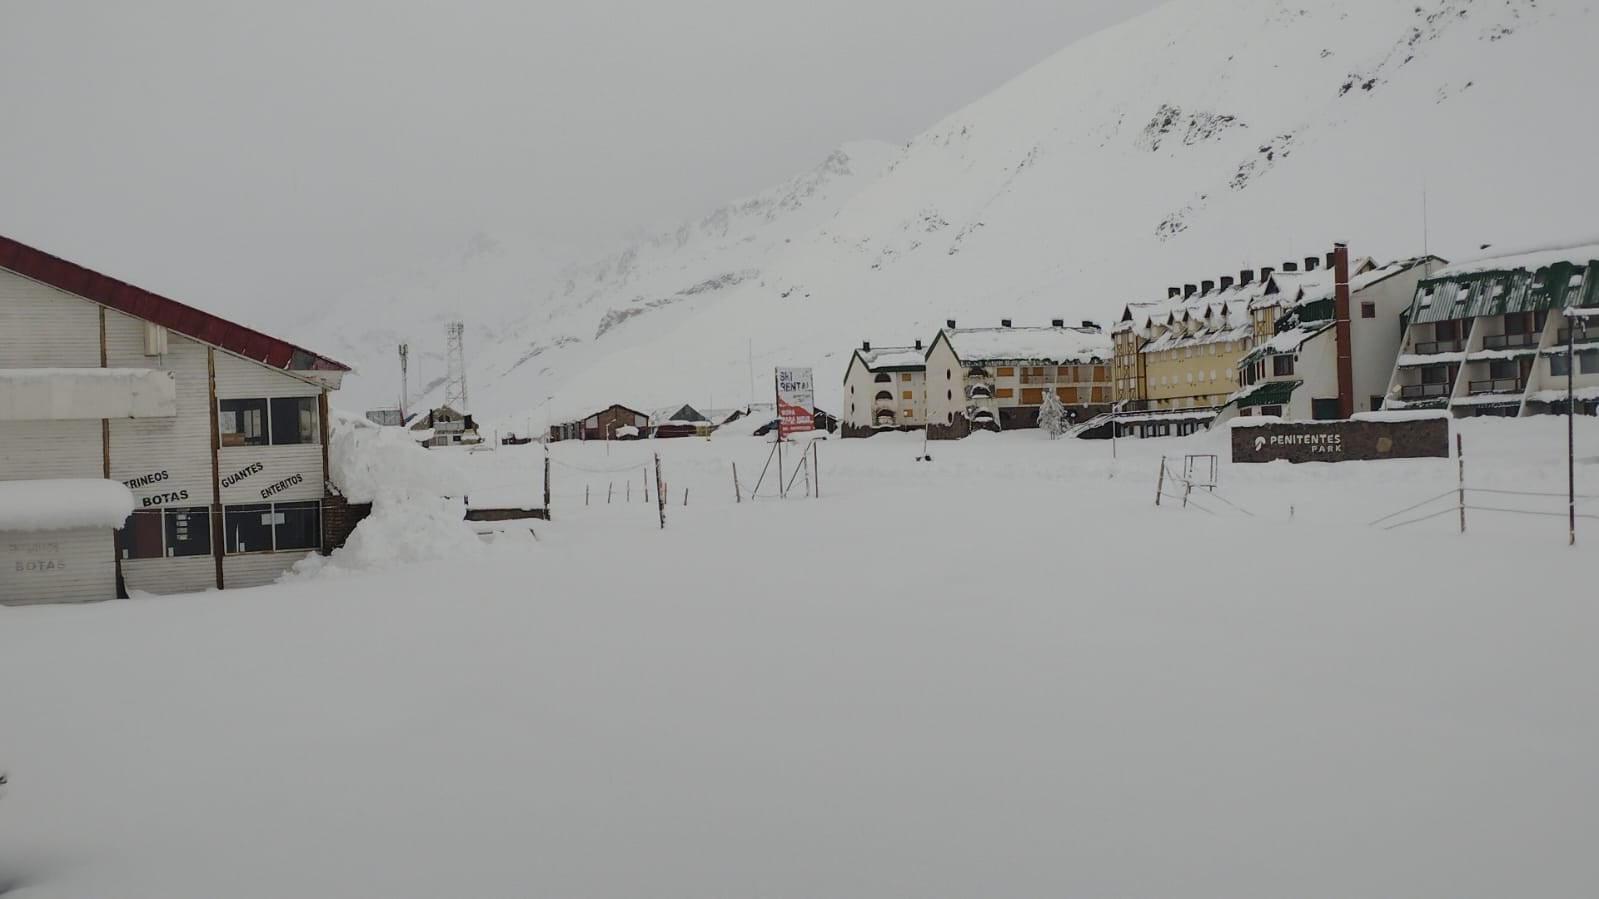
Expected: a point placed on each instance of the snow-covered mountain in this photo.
(1201, 138)
(534, 318)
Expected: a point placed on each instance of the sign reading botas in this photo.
(1340, 441)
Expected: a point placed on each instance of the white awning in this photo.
(68, 394)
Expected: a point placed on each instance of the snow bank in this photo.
(417, 497)
(57, 505)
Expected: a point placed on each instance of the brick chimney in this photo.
(1331, 259)
(1341, 331)
(1173, 293)
(1189, 290)
(1266, 272)
(1290, 266)
(1310, 263)
(1226, 282)
(1207, 286)
(1246, 276)
(866, 344)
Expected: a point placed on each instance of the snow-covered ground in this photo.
(1003, 672)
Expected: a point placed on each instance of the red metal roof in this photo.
(176, 316)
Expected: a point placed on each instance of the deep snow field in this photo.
(1000, 673)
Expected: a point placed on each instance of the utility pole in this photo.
(405, 379)
(455, 372)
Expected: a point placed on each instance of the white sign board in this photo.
(796, 401)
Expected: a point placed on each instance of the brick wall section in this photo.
(339, 518)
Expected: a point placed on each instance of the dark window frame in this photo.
(269, 421)
(291, 526)
(165, 528)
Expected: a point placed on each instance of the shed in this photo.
(56, 542)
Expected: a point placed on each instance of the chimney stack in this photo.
(1246, 276)
(1290, 266)
(1173, 293)
(1226, 282)
(1331, 259)
(1207, 286)
(1189, 290)
(866, 344)
(1341, 332)
(1057, 323)
(1004, 323)
(1092, 326)
(918, 343)
(1310, 263)
(950, 324)
(1266, 272)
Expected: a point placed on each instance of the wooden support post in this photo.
(738, 495)
(547, 515)
(660, 491)
(1460, 455)
(685, 496)
(1160, 480)
(816, 450)
(646, 477)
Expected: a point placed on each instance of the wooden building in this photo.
(219, 431)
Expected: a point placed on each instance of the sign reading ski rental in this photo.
(796, 401)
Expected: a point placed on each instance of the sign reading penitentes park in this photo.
(1339, 441)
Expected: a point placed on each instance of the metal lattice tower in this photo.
(455, 371)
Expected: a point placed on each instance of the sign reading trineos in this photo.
(1339, 441)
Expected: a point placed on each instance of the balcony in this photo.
(1046, 378)
(1591, 335)
(1434, 347)
(1496, 385)
(1423, 391)
(979, 391)
(1509, 341)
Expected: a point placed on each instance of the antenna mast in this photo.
(455, 354)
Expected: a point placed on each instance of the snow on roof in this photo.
(1559, 396)
(1576, 312)
(887, 357)
(1531, 261)
(1288, 341)
(1055, 346)
(58, 505)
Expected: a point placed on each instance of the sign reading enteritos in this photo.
(796, 401)
(1339, 441)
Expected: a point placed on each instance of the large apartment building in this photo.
(1490, 337)
(1308, 322)
(885, 388)
(995, 378)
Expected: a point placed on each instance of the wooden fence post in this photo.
(1160, 480)
(660, 491)
(1460, 455)
(547, 485)
(816, 457)
(738, 495)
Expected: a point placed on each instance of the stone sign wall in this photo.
(1341, 441)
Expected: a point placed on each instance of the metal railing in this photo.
(1496, 385)
(1422, 391)
(1434, 347)
(1582, 336)
(1509, 341)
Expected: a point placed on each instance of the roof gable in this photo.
(152, 307)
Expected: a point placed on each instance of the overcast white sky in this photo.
(255, 157)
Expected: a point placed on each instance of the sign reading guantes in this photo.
(796, 401)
